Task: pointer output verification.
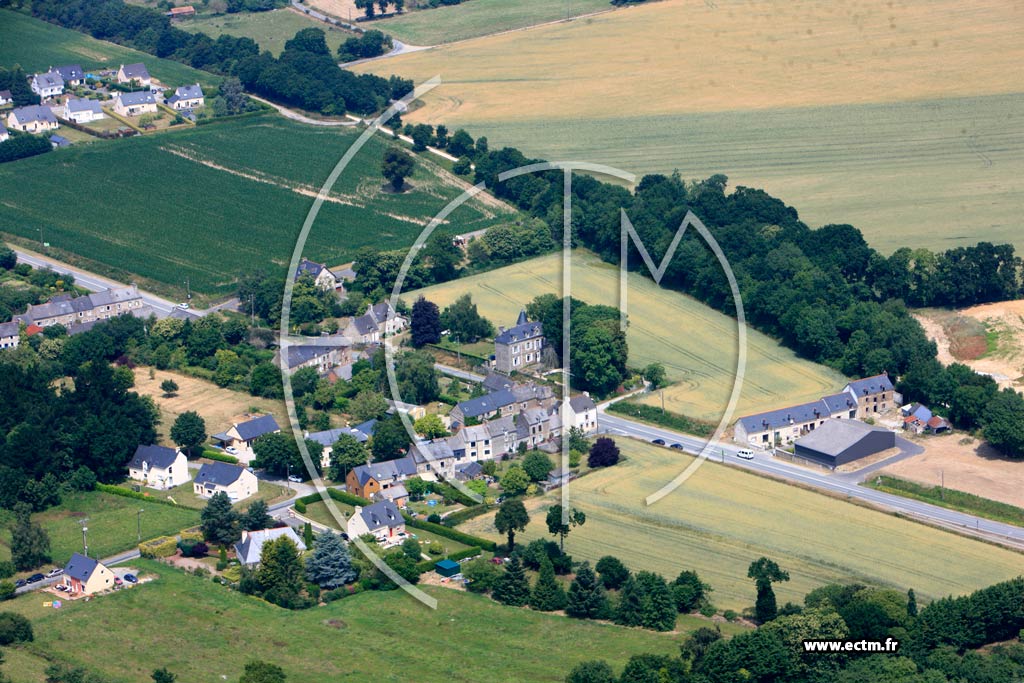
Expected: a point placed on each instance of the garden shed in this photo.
(447, 568)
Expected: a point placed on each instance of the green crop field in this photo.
(217, 201)
(723, 518)
(899, 118)
(475, 18)
(37, 45)
(697, 345)
(269, 29)
(468, 637)
(112, 524)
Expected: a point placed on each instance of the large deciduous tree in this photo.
(425, 323)
(510, 518)
(188, 430)
(765, 572)
(558, 527)
(396, 166)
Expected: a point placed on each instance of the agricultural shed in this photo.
(838, 442)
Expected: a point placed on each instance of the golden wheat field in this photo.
(722, 518)
(697, 344)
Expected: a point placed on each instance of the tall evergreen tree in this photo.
(548, 594)
(586, 598)
(257, 517)
(30, 544)
(219, 521)
(512, 588)
(628, 610)
(425, 323)
(657, 604)
(911, 603)
(280, 572)
(330, 565)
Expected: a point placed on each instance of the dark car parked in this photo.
(35, 578)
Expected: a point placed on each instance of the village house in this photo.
(135, 103)
(32, 119)
(239, 438)
(581, 413)
(322, 276)
(321, 357)
(519, 348)
(434, 459)
(10, 335)
(496, 404)
(86, 576)
(134, 72)
(82, 111)
(69, 311)
(159, 467)
(379, 321)
(249, 549)
(382, 519)
(72, 74)
(6, 98)
(47, 85)
(186, 98)
(373, 479)
(237, 482)
(535, 426)
(874, 395)
(329, 437)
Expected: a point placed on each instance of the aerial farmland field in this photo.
(40, 45)
(270, 30)
(697, 344)
(218, 201)
(721, 519)
(810, 101)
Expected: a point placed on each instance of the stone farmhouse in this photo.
(69, 311)
(379, 321)
(520, 347)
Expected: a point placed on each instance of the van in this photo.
(745, 453)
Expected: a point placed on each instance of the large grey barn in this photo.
(838, 442)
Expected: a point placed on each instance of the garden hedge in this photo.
(128, 493)
(440, 530)
(161, 546)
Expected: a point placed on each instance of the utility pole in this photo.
(942, 484)
(289, 477)
(188, 290)
(85, 536)
(138, 519)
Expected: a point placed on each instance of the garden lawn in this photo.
(468, 638)
(722, 519)
(112, 524)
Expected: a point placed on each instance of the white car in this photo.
(745, 454)
(54, 572)
(295, 478)
(184, 306)
(231, 450)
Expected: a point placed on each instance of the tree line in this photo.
(305, 75)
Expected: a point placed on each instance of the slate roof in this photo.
(871, 385)
(582, 403)
(11, 329)
(189, 92)
(5, 95)
(80, 104)
(532, 391)
(347, 274)
(366, 428)
(523, 329)
(389, 470)
(470, 469)
(250, 548)
(840, 403)
(80, 567)
(496, 382)
(33, 112)
(70, 72)
(431, 451)
(297, 355)
(251, 429)
(922, 413)
(218, 474)
(59, 141)
(64, 304)
(481, 405)
(307, 267)
(135, 71)
(773, 419)
(50, 79)
(501, 425)
(132, 99)
(835, 436)
(329, 437)
(381, 515)
(160, 457)
(365, 324)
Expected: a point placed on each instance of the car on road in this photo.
(745, 454)
(131, 578)
(184, 306)
(35, 578)
(19, 583)
(677, 446)
(56, 571)
(295, 478)
(231, 450)
(659, 442)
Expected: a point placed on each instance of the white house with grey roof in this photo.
(379, 321)
(127, 73)
(135, 103)
(72, 74)
(186, 98)
(32, 119)
(241, 436)
(581, 413)
(159, 467)
(520, 347)
(382, 519)
(323, 357)
(250, 548)
(6, 98)
(47, 85)
(69, 311)
(215, 477)
(81, 110)
(323, 277)
(10, 335)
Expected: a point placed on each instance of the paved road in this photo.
(460, 374)
(302, 118)
(843, 486)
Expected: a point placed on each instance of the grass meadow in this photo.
(480, 18)
(112, 524)
(468, 638)
(217, 201)
(723, 518)
(37, 45)
(697, 344)
(899, 119)
(270, 30)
